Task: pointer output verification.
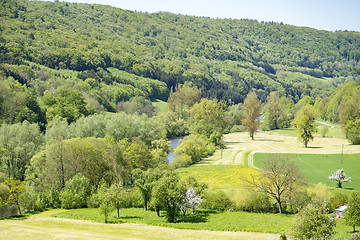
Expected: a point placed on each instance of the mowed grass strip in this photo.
(317, 167)
(203, 220)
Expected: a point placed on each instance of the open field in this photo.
(317, 167)
(161, 105)
(87, 224)
(43, 226)
(240, 148)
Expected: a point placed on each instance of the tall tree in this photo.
(305, 123)
(275, 112)
(279, 179)
(252, 107)
(183, 99)
(144, 181)
(19, 142)
(208, 119)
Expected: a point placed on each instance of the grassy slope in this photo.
(317, 167)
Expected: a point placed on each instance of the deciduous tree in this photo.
(340, 177)
(305, 123)
(313, 223)
(252, 107)
(279, 179)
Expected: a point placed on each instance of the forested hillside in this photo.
(109, 55)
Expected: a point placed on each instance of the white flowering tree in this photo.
(190, 201)
(340, 177)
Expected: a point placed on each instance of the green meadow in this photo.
(317, 167)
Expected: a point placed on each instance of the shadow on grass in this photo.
(199, 216)
(22, 216)
(17, 217)
(130, 217)
(267, 140)
(314, 147)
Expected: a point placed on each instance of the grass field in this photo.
(161, 105)
(204, 220)
(317, 167)
(43, 227)
(230, 223)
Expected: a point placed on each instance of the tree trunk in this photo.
(339, 184)
(158, 212)
(118, 212)
(279, 205)
(354, 228)
(145, 206)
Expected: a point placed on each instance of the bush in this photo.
(180, 161)
(76, 192)
(216, 201)
(352, 130)
(256, 202)
(238, 128)
(312, 223)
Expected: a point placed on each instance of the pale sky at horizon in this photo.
(328, 15)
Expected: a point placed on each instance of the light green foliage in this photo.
(168, 193)
(352, 131)
(119, 197)
(106, 205)
(233, 117)
(173, 126)
(16, 188)
(350, 114)
(338, 100)
(216, 200)
(324, 130)
(181, 101)
(144, 181)
(4, 194)
(66, 103)
(18, 103)
(195, 147)
(352, 213)
(137, 105)
(276, 112)
(208, 119)
(18, 142)
(304, 122)
(312, 223)
(75, 192)
(252, 108)
(28, 198)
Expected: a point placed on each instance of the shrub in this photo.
(337, 200)
(238, 128)
(76, 192)
(256, 202)
(216, 201)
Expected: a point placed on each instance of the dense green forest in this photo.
(108, 55)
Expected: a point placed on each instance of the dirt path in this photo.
(43, 226)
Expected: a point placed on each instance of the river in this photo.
(174, 142)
